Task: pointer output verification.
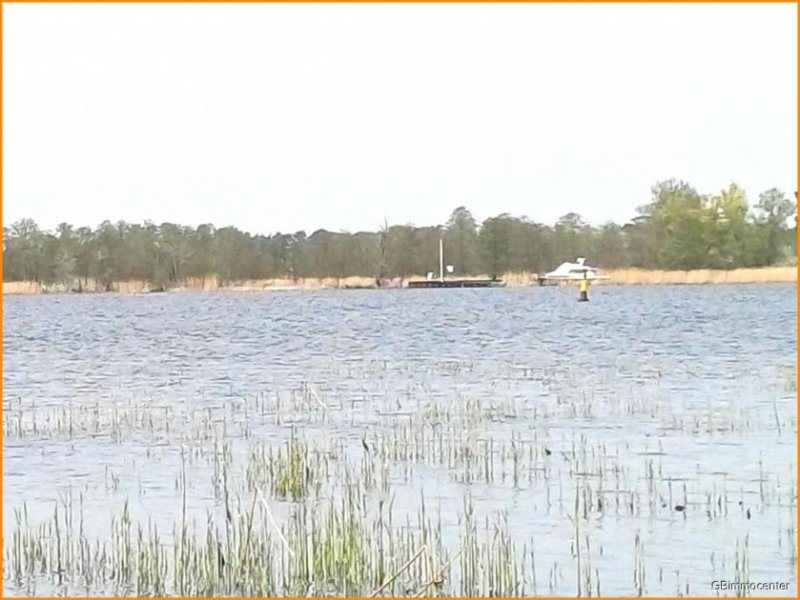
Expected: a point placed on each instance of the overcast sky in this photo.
(286, 117)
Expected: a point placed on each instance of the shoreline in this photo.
(785, 274)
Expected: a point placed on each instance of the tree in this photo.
(678, 229)
(610, 248)
(774, 213)
(727, 225)
(461, 241)
(495, 244)
(675, 234)
(571, 238)
(530, 246)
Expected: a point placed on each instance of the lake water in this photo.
(646, 398)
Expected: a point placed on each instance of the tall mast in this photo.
(441, 259)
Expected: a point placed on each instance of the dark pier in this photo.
(456, 283)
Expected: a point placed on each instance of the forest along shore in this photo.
(785, 274)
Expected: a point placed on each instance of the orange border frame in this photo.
(3, 2)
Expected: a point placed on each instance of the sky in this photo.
(279, 118)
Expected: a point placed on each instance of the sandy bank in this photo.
(698, 276)
(191, 284)
(617, 277)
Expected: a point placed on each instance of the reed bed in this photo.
(301, 491)
(345, 546)
(780, 274)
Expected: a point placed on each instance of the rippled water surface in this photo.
(645, 398)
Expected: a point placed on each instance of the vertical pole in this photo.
(441, 259)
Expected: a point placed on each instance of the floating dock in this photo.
(456, 283)
(444, 282)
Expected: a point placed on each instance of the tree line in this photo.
(678, 228)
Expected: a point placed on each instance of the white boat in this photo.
(573, 271)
